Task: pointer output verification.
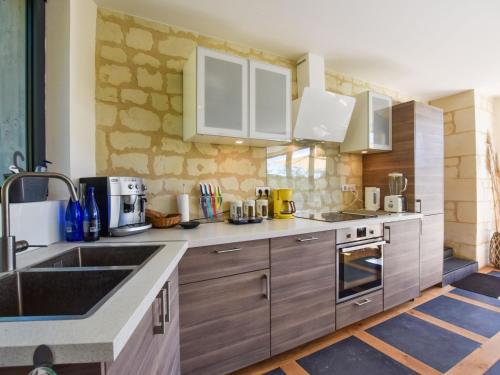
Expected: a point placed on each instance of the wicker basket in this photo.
(495, 250)
(160, 220)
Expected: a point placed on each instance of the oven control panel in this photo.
(359, 233)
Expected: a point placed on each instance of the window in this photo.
(22, 83)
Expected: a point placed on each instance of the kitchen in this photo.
(221, 297)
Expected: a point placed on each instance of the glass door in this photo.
(359, 269)
(380, 121)
(222, 94)
(270, 102)
(13, 129)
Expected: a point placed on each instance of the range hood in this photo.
(318, 114)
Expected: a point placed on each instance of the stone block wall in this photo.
(139, 117)
(469, 215)
(460, 190)
(485, 206)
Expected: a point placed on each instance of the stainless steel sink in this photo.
(101, 256)
(72, 285)
(57, 294)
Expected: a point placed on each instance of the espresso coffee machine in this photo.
(122, 204)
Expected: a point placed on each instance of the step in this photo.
(455, 269)
(448, 252)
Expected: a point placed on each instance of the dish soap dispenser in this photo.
(91, 225)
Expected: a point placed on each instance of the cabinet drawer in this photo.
(210, 262)
(301, 242)
(225, 323)
(359, 308)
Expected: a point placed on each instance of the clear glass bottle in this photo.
(74, 222)
(91, 224)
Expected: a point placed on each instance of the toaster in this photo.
(395, 203)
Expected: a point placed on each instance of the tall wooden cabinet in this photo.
(418, 152)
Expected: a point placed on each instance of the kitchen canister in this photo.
(262, 208)
(236, 210)
(249, 209)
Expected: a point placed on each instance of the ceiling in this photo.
(425, 48)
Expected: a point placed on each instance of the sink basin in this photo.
(101, 256)
(57, 294)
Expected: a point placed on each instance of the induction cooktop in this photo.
(334, 216)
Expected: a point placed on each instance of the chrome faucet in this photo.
(8, 244)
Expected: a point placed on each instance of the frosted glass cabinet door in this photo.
(222, 94)
(380, 121)
(270, 102)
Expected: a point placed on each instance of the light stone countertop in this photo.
(221, 233)
(101, 336)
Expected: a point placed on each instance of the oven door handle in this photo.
(361, 247)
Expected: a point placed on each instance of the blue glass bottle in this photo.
(91, 219)
(74, 222)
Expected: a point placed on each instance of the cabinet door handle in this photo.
(227, 251)
(267, 293)
(307, 239)
(363, 302)
(387, 238)
(419, 201)
(160, 330)
(167, 304)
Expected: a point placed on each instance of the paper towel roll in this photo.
(183, 206)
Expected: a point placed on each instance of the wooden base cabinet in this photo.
(225, 323)
(154, 346)
(303, 289)
(401, 262)
(431, 251)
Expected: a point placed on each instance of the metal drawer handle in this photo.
(307, 239)
(161, 329)
(227, 251)
(363, 302)
(419, 201)
(167, 314)
(267, 293)
(388, 229)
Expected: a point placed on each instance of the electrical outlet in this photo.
(348, 187)
(262, 190)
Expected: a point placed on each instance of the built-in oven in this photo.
(360, 261)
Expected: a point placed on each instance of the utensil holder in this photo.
(206, 206)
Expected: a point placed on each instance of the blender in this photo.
(396, 201)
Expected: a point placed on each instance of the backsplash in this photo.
(315, 172)
(139, 120)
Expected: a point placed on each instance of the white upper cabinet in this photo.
(270, 102)
(217, 93)
(223, 94)
(370, 129)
